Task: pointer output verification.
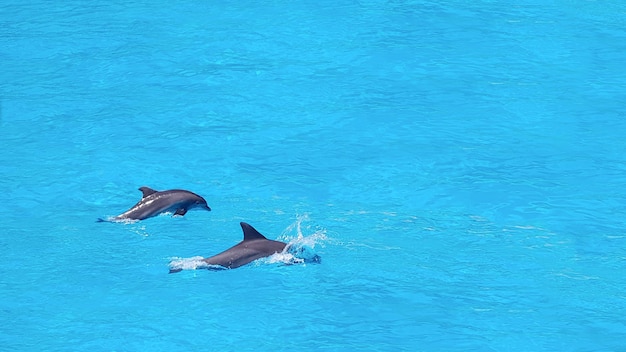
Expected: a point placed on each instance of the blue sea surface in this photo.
(460, 168)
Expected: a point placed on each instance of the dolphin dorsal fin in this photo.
(146, 191)
(250, 233)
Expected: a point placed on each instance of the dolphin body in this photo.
(154, 203)
(253, 247)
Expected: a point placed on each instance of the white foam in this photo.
(192, 263)
(123, 221)
(280, 258)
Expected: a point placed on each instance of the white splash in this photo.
(118, 220)
(192, 263)
(288, 235)
(300, 248)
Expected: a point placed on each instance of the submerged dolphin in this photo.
(253, 247)
(154, 203)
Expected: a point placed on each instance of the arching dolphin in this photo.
(154, 203)
(253, 247)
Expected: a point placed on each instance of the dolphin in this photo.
(253, 247)
(154, 203)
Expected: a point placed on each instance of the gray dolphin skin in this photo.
(253, 247)
(154, 203)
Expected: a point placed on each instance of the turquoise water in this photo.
(460, 168)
